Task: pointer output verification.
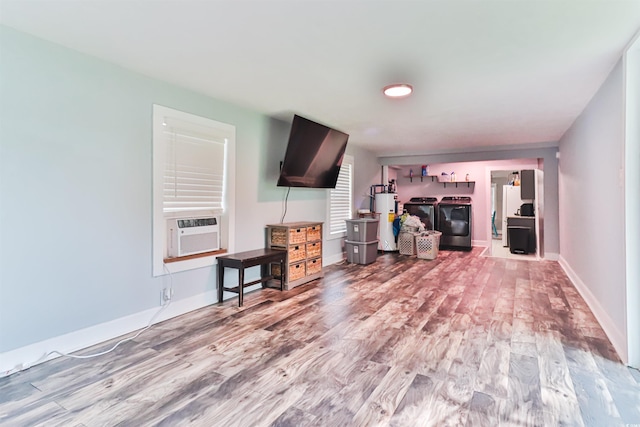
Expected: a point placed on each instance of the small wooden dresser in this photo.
(303, 242)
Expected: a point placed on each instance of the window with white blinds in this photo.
(341, 200)
(194, 169)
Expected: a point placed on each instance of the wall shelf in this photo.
(422, 177)
(458, 182)
(434, 178)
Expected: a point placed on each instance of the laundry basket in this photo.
(407, 242)
(427, 244)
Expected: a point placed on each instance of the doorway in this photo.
(502, 211)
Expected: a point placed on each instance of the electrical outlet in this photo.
(165, 296)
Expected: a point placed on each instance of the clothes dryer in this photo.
(425, 209)
(454, 221)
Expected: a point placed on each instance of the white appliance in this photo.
(386, 205)
(511, 202)
(189, 236)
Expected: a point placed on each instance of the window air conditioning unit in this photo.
(189, 236)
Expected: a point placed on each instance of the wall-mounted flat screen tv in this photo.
(314, 155)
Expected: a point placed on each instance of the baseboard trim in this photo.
(334, 259)
(552, 256)
(24, 357)
(617, 338)
(481, 243)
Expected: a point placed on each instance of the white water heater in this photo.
(386, 204)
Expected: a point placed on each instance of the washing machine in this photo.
(454, 221)
(425, 209)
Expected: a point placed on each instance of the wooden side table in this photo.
(242, 260)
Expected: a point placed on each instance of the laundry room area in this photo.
(466, 202)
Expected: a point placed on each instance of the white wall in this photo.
(367, 172)
(75, 196)
(632, 201)
(592, 206)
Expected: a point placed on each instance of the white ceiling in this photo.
(485, 72)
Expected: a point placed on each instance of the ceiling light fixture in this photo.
(398, 90)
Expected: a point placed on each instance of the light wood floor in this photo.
(463, 340)
(499, 251)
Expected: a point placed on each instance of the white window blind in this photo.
(193, 176)
(194, 168)
(341, 199)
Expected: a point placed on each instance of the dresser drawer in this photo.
(314, 249)
(314, 266)
(314, 233)
(297, 253)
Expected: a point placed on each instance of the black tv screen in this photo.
(314, 155)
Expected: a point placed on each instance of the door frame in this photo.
(488, 171)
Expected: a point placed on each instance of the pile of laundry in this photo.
(406, 222)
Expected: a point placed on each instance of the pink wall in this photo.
(479, 190)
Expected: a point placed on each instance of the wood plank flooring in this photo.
(463, 340)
